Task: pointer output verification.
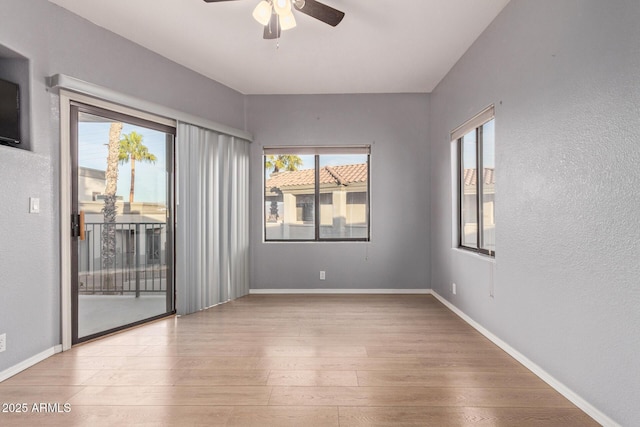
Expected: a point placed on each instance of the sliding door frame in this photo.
(67, 100)
(76, 109)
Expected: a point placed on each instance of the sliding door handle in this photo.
(81, 226)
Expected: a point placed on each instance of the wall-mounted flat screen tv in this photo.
(9, 113)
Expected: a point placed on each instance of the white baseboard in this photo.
(8, 373)
(588, 408)
(340, 291)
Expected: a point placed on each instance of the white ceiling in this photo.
(381, 46)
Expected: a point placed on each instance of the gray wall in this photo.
(56, 41)
(396, 127)
(564, 78)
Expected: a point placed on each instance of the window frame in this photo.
(317, 152)
(475, 124)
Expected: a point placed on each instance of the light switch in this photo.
(34, 205)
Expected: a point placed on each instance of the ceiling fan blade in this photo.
(320, 11)
(272, 29)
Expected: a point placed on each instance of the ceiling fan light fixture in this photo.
(262, 12)
(287, 21)
(277, 15)
(282, 7)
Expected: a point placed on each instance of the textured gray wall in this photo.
(396, 126)
(56, 41)
(564, 78)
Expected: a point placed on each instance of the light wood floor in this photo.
(289, 360)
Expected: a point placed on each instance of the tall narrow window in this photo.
(316, 193)
(476, 190)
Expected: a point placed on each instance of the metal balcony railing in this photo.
(139, 265)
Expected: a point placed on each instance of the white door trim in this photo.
(65, 218)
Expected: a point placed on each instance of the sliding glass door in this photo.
(122, 221)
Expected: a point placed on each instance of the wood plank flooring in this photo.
(293, 360)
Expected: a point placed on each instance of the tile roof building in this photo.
(339, 175)
(343, 198)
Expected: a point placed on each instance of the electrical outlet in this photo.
(453, 288)
(322, 275)
(3, 342)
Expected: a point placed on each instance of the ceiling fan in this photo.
(277, 15)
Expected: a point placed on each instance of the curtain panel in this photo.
(212, 231)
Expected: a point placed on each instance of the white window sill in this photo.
(474, 255)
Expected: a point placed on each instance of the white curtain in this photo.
(212, 233)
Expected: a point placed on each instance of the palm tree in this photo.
(287, 162)
(132, 149)
(109, 211)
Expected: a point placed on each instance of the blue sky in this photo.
(150, 184)
(488, 138)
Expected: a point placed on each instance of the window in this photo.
(316, 193)
(476, 191)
